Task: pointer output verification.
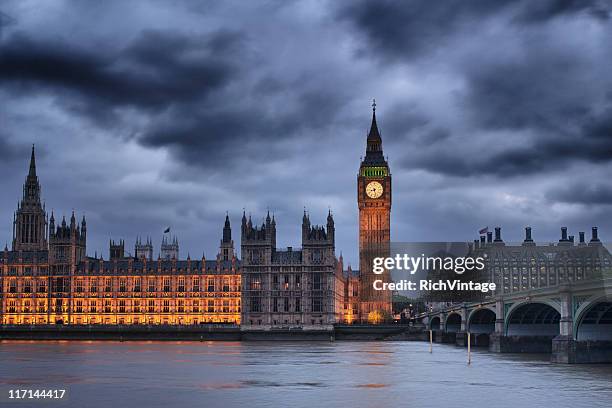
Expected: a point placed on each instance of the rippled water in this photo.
(347, 374)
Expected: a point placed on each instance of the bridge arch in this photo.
(593, 320)
(538, 318)
(434, 323)
(481, 320)
(453, 323)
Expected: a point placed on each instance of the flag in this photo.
(167, 230)
(483, 231)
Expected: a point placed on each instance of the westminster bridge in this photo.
(554, 298)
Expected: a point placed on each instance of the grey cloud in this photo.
(582, 193)
(156, 70)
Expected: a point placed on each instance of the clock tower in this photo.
(374, 200)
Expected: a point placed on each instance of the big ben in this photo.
(374, 200)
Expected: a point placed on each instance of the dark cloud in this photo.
(591, 143)
(404, 31)
(399, 30)
(156, 70)
(582, 193)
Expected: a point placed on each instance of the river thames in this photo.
(292, 374)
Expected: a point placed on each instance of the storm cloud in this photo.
(148, 115)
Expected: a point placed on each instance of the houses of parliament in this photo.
(47, 277)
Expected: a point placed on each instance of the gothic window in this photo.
(196, 284)
(275, 285)
(181, 285)
(256, 304)
(286, 304)
(316, 281)
(317, 305)
(226, 284)
(166, 284)
(255, 282)
(275, 305)
(211, 284)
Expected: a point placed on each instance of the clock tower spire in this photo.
(374, 201)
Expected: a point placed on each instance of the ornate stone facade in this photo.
(291, 287)
(374, 200)
(52, 280)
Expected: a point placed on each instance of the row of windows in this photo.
(285, 282)
(135, 306)
(125, 285)
(284, 305)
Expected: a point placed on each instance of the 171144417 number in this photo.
(36, 394)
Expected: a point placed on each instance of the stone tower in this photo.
(169, 248)
(143, 251)
(227, 244)
(67, 243)
(374, 200)
(116, 250)
(30, 220)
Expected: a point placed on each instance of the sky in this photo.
(148, 114)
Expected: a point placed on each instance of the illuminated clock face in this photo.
(374, 189)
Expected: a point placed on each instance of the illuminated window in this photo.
(196, 284)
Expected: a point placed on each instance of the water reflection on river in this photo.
(347, 374)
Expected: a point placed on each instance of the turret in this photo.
(30, 220)
(226, 249)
